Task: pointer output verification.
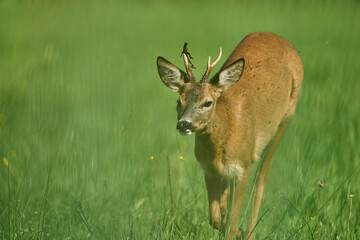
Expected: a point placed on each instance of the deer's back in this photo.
(268, 90)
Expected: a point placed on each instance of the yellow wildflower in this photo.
(151, 158)
(181, 158)
(36, 212)
(5, 161)
(311, 218)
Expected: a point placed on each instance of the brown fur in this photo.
(246, 121)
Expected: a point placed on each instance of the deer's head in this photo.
(197, 102)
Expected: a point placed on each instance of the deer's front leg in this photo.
(262, 176)
(217, 190)
(236, 198)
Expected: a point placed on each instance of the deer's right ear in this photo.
(170, 75)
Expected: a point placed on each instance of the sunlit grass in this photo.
(88, 145)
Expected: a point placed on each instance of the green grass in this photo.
(82, 109)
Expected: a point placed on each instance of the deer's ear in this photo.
(230, 75)
(170, 75)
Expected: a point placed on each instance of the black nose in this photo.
(185, 125)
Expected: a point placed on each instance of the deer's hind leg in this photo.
(262, 177)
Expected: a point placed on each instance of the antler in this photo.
(210, 67)
(186, 56)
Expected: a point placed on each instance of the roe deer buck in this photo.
(238, 115)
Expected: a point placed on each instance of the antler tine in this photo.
(210, 66)
(188, 64)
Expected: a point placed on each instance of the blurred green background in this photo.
(82, 110)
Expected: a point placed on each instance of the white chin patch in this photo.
(187, 132)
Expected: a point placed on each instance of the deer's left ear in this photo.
(170, 75)
(230, 75)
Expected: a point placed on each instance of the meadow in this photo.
(88, 144)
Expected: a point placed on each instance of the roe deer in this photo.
(239, 116)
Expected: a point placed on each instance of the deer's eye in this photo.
(207, 104)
